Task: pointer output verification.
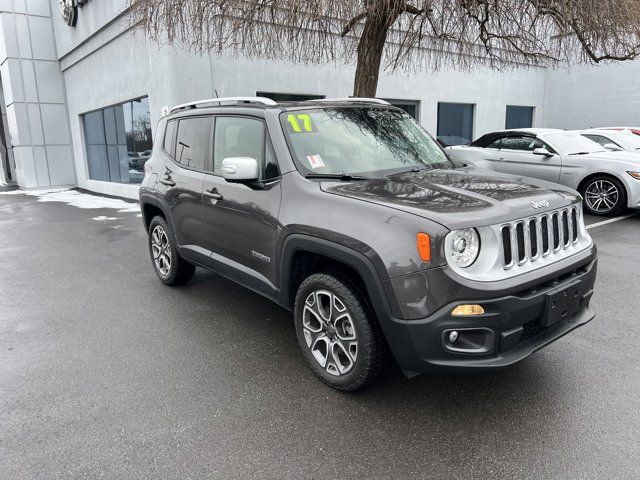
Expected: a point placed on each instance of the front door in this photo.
(516, 157)
(242, 220)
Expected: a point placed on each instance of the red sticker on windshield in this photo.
(315, 161)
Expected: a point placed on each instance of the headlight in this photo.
(464, 246)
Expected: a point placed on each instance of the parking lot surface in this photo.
(105, 372)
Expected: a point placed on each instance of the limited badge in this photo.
(315, 161)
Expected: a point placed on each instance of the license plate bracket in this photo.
(561, 304)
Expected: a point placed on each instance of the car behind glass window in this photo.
(191, 142)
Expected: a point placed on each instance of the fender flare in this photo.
(380, 293)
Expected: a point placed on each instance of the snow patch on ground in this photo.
(102, 218)
(78, 199)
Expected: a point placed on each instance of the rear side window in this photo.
(169, 137)
(192, 142)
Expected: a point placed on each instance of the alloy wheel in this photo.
(329, 332)
(601, 196)
(161, 250)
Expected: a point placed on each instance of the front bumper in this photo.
(513, 326)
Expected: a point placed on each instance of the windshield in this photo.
(628, 140)
(570, 143)
(356, 140)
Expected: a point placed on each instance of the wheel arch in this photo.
(303, 255)
(591, 176)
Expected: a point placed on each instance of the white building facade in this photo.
(80, 103)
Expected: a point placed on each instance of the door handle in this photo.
(213, 193)
(167, 181)
(501, 159)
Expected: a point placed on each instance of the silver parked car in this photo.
(608, 181)
(613, 140)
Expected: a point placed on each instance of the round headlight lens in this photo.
(464, 246)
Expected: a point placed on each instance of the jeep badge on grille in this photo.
(540, 204)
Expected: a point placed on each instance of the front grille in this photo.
(533, 237)
(556, 231)
(548, 234)
(574, 225)
(506, 245)
(544, 224)
(522, 254)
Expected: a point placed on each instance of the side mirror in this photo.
(240, 170)
(542, 151)
(612, 147)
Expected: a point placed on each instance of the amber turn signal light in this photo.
(467, 310)
(424, 247)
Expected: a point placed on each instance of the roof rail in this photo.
(352, 99)
(219, 101)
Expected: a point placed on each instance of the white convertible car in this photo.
(608, 181)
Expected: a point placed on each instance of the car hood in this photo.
(629, 156)
(459, 198)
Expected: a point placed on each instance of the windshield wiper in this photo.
(336, 176)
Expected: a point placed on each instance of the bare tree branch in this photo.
(400, 34)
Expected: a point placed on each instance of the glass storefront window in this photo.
(118, 141)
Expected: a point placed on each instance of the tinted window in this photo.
(526, 144)
(600, 139)
(191, 142)
(169, 136)
(238, 137)
(288, 97)
(519, 117)
(455, 123)
(118, 141)
(497, 143)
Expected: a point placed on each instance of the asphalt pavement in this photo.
(106, 373)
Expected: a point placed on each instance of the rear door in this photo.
(180, 181)
(241, 221)
(516, 157)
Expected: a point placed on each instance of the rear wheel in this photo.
(337, 332)
(604, 195)
(170, 267)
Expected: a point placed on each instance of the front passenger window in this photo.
(237, 137)
(243, 137)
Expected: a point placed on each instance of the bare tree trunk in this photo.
(370, 49)
(380, 17)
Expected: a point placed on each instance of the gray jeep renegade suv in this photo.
(348, 213)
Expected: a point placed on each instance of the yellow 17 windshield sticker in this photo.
(300, 123)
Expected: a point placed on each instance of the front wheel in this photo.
(604, 196)
(170, 267)
(337, 332)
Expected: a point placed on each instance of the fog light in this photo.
(453, 336)
(466, 310)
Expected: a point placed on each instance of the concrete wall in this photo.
(116, 65)
(592, 96)
(37, 117)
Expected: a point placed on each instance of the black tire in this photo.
(603, 183)
(367, 358)
(177, 270)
